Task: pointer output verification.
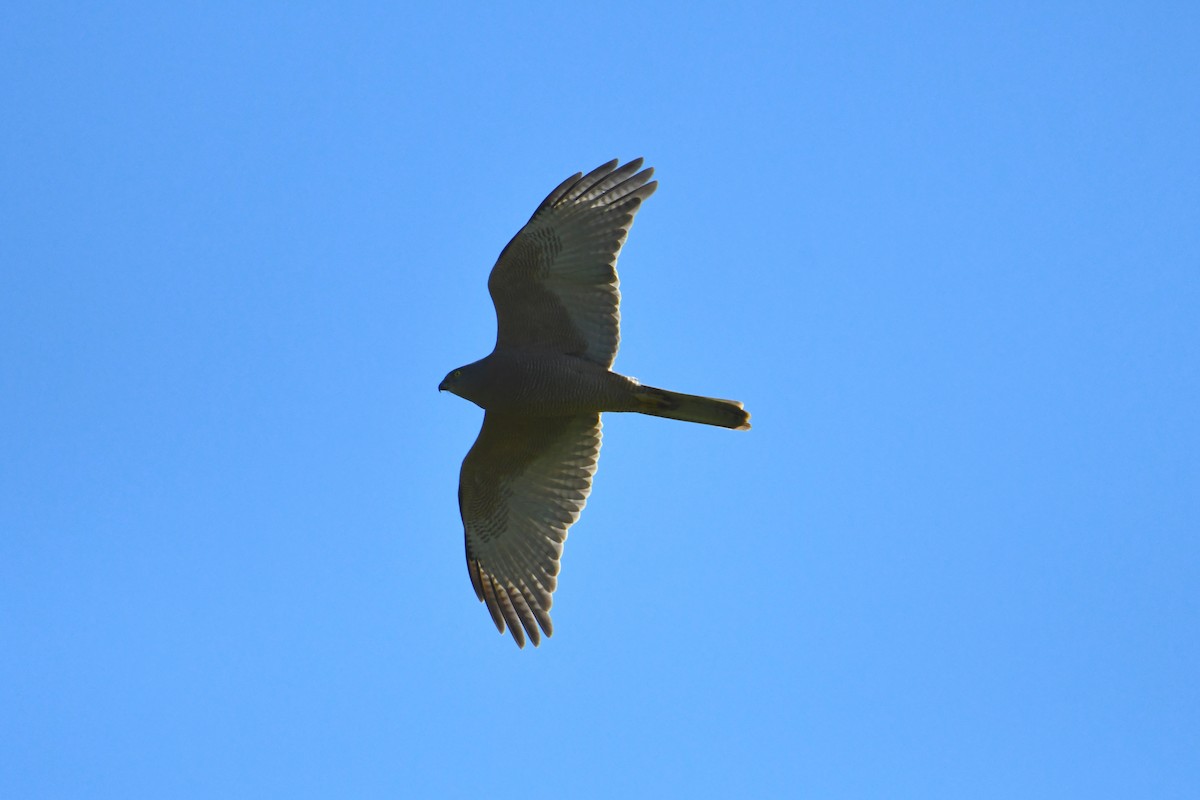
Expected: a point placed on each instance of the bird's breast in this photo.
(549, 384)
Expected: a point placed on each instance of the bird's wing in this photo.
(522, 486)
(555, 284)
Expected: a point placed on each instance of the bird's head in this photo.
(451, 381)
(462, 382)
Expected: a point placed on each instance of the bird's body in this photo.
(543, 388)
(544, 384)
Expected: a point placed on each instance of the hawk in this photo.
(543, 388)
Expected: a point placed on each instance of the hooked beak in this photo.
(442, 386)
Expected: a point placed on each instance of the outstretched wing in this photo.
(555, 284)
(523, 484)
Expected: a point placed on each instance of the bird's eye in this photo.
(456, 374)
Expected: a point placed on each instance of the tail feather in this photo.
(692, 408)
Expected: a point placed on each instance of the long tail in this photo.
(692, 408)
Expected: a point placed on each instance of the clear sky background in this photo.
(947, 254)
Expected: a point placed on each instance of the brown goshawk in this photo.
(528, 475)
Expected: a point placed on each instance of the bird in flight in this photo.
(528, 475)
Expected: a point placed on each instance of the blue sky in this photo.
(948, 255)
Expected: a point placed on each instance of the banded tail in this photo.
(692, 408)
